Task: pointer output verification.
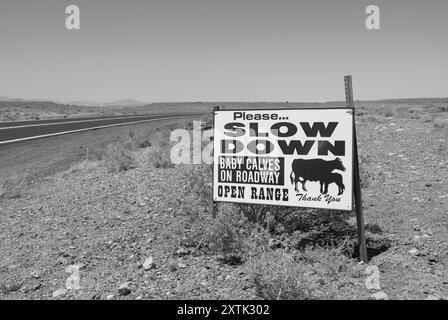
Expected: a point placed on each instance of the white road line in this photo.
(86, 129)
(68, 122)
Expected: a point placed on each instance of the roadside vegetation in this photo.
(279, 246)
(121, 156)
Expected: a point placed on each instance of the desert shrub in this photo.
(6, 288)
(14, 185)
(118, 158)
(136, 139)
(314, 273)
(442, 149)
(318, 228)
(143, 142)
(371, 118)
(226, 234)
(161, 138)
(95, 154)
(402, 111)
(160, 158)
(144, 138)
(159, 155)
(441, 106)
(278, 277)
(365, 175)
(281, 226)
(373, 228)
(255, 213)
(276, 219)
(244, 230)
(290, 227)
(197, 191)
(194, 203)
(439, 123)
(2, 187)
(86, 166)
(188, 125)
(366, 171)
(388, 112)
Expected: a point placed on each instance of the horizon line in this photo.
(143, 103)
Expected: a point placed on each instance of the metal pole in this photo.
(215, 205)
(349, 92)
(356, 178)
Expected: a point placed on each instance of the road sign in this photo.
(288, 157)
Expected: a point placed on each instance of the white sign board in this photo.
(287, 157)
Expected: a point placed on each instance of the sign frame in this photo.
(350, 110)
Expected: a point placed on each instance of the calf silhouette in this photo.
(332, 177)
(304, 170)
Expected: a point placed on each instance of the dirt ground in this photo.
(404, 159)
(109, 224)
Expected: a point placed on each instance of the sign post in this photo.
(356, 178)
(215, 205)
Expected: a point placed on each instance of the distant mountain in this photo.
(125, 103)
(84, 103)
(7, 99)
(10, 99)
(119, 103)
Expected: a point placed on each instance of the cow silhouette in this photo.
(304, 170)
(332, 177)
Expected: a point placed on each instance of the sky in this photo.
(222, 50)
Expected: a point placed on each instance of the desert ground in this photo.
(122, 222)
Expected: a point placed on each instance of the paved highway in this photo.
(17, 131)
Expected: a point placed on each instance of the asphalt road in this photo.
(32, 160)
(12, 132)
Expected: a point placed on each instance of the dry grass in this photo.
(11, 287)
(439, 123)
(118, 158)
(86, 166)
(388, 112)
(314, 273)
(138, 139)
(159, 157)
(241, 231)
(13, 185)
(2, 188)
